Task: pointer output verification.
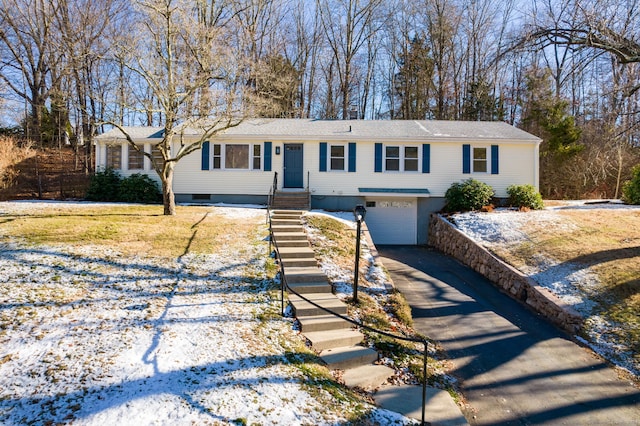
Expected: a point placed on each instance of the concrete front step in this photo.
(348, 357)
(299, 263)
(302, 308)
(329, 339)
(293, 243)
(440, 408)
(290, 236)
(297, 253)
(292, 203)
(367, 376)
(287, 212)
(286, 228)
(322, 323)
(310, 288)
(285, 221)
(297, 275)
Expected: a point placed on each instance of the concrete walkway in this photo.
(337, 342)
(514, 368)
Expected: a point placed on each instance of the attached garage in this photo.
(392, 220)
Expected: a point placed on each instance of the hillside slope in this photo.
(587, 254)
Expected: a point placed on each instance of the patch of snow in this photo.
(90, 337)
(573, 283)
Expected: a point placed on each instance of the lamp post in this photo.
(359, 212)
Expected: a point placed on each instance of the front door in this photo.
(293, 168)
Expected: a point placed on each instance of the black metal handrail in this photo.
(283, 285)
(272, 193)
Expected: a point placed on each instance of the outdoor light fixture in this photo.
(277, 150)
(359, 212)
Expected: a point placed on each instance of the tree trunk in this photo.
(168, 198)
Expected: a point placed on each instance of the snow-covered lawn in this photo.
(91, 337)
(573, 282)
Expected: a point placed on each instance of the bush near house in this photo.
(108, 185)
(104, 186)
(139, 188)
(467, 195)
(525, 196)
(631, 188)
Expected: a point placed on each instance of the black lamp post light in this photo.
(359, 212)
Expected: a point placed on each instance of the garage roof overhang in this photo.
(413, 191)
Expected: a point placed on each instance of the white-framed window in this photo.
(156, 154)
(337, 157)
(480, 163)
(401, 158)
(257, 157)
(237, 157)
(114, 157)
(136, 158)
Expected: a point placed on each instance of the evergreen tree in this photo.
(480, 104)
(414, 82)
(547, 116)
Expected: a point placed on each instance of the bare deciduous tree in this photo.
(347, 25)
(180, 58)
(28, 54)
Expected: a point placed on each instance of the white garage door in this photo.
(392, 221)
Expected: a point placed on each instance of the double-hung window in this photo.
(237, 156)
(337, 157)
(136, 158)
(480, 160)
(114, 156)
(401, 158)
(156, 154)
(257, 158)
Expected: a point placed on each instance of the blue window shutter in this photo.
(494, 160)
(205, 155)
(426, 158)
(466, 158)
(323, 156)
(267, 156)
(352, 156)
(378, 159)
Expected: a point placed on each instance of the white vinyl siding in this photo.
(445, 169)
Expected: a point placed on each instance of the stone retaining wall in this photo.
(448, 239)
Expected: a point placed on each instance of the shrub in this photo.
(12, 152)
(104, 186)
(468, 195)
(631, 188)
(525, 196)
(139, 188)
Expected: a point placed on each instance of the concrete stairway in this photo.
(291, 200)
(336, 340)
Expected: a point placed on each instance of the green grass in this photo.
(134, 230)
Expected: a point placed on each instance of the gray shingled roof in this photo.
(358, 130)
(136, 133)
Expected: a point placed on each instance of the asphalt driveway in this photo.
(514, 367)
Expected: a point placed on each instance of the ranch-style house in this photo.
(399, 169)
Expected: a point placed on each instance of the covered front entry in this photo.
(293, 166)
(392, 221)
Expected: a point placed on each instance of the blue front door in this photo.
(293, 168)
